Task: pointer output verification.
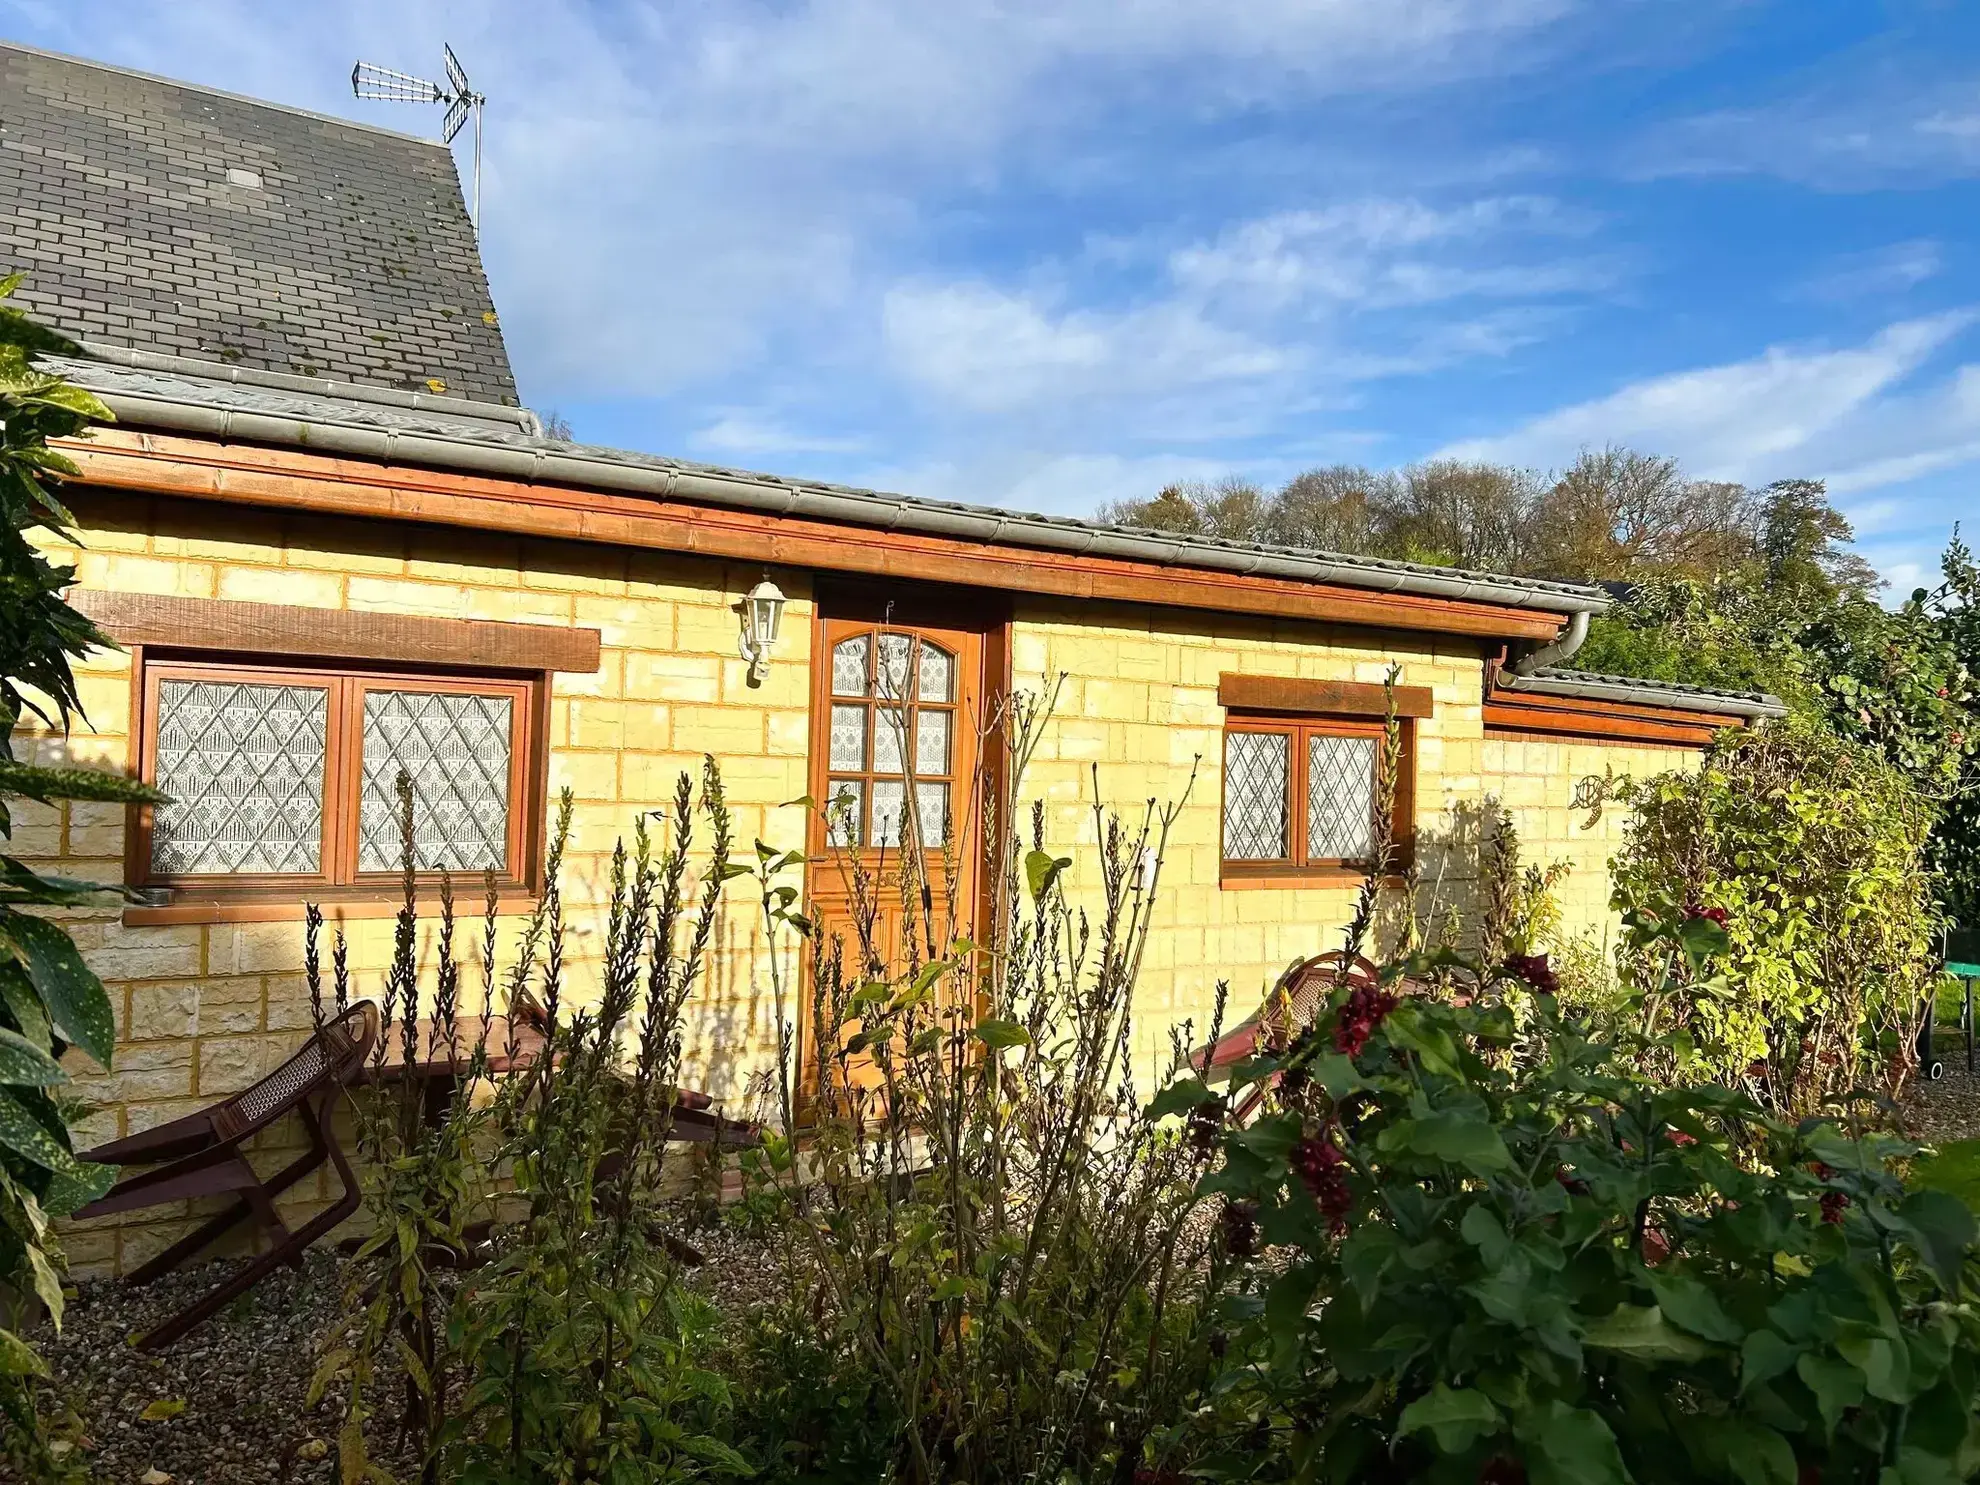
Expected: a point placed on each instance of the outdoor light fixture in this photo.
(763, 613)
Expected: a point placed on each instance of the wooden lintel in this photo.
(292, 629)
(1512, 715)
(253, 474)
(1272, 693)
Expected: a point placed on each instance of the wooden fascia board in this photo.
(227, 626)
(1291, 695)
(297, 480)
(1603, 721)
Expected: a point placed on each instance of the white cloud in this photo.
(1752, 420)
(751, 435)
(1876, 121)
(1880, 273)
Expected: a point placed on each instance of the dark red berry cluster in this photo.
(1536, 971)
(1712, 914)
(1322, 1169)
(1363, 1011)
(1206, 1122)
(1240, 1220)
(1833, 1203)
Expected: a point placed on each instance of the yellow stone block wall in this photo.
(1139, 702)
(1535, 780)
(206, 1009)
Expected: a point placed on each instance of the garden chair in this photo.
(1288, 1010)
(200, 1155)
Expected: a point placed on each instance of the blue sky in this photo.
(1047, 253)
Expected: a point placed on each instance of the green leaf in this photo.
(1942, 1228)
(1041, 870)
(26, 1136)
(1572, 1446)
(1751, 1452)
(1483, 1230)
(1689, 1305)
(1001, 1034)
(1763, 1356)
(75, 1188)
(1836, 1384)
(1464, 1139)
(164, 1408)
(17, 1358)
(1458, 1416)
(25, 1065)
(1179, 1097)
(75, 998)
(1640, 1331)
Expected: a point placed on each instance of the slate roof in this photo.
(161, 216)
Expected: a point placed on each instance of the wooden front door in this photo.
(896, 765)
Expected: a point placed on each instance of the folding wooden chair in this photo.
(200, 1155)
(1288, 1010)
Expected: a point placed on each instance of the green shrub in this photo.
(1504, 1256)
(1810, 848)
(49, 998)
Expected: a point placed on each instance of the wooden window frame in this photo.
(1296, 868)
(338, 884)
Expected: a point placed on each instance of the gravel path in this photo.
(226, 1404)
(1950, 1108)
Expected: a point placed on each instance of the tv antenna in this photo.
(383, 84)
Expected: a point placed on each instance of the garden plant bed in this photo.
(243, 1377)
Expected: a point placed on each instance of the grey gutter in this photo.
(1591, 687)
(310, 386)
(611, 469)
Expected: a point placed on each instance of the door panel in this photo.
(897, 717)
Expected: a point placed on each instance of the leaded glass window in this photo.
(244, 764)
(455, 751)
(1301, 794)
(286, 779)
(1257, 782)
(1340, 797)
(892, 724)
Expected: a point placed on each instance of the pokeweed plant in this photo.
(990, 1270)
(1503, 1255)
(50, 1000)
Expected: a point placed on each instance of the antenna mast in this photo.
(385, 85)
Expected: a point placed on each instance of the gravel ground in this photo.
(1950, 1108)
(227, 1402)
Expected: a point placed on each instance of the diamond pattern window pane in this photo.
(848, 736)
(896, 656)
(889, 733)
(889, 795)
(1257, 774)
(1340, 798)
(849, 666)
(931, 742)
(455, 748)
(931, 802)
(244, 766)
(938, 674)
(842, 812)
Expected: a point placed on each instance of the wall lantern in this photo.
(763, 614)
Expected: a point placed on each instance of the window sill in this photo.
(291, 909)
(1293, 877)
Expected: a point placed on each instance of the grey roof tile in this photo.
(117, 203)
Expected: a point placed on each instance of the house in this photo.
(333, 546)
